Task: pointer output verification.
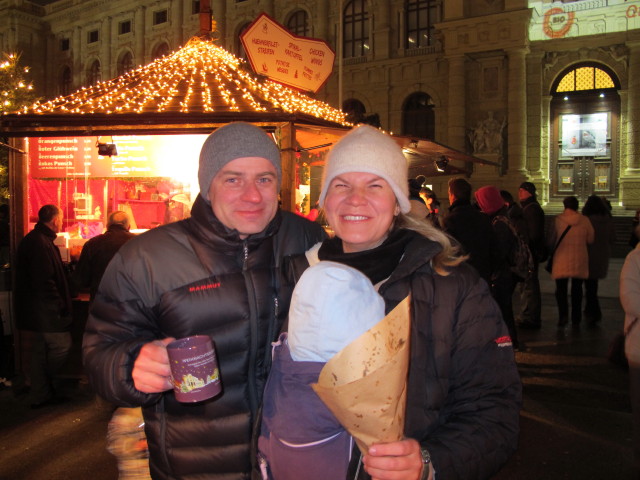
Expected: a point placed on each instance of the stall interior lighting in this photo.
(200, 77)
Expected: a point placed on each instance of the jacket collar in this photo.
(46, 231)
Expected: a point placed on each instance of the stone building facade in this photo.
(488, 77)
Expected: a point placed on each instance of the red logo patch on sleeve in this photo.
(504, 341)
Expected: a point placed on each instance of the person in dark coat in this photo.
(470, 227)
(215, 273)
(530, 299)
(98, 252)
(43, 304)
(463, 387)
(503, 281)
(599, 253)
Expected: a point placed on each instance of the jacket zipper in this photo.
(253, 323)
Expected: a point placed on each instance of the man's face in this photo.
(523, 194)
(244, 194)
(57, 222)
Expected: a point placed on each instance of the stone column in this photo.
(633, 111)
(517, 111)
(457, 102)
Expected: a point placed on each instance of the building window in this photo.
(124, 27)
(195, 7)
(64, 44)
(418, 117)
(94, 75)
(422, 15)
(585, 78)
(160, 16)
(161, 50)
(355, 110)
(125, 63)
(93, 36)
(65, 82)
(356, 29)
(298, 23)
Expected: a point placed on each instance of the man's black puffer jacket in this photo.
(195, 277)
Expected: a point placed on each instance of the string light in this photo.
(200, 77)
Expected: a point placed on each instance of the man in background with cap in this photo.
(533, 216)
(216, 274)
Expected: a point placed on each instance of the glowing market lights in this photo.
(200, 77)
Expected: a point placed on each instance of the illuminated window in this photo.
(125, 63)
(418, 117)
(421, 17)
(94, 75)
(585, 78)
(298, 23)
(356, 29)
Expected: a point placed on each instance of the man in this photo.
(98, 252)
(470, 227)
(43, 304)
(214, 274)
(533, 216)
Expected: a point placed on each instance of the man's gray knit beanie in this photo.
(234, 140)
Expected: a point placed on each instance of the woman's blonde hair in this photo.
(450, 255)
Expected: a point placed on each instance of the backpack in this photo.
(520, 258)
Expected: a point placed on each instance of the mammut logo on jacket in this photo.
(503, 341)
(207, 286)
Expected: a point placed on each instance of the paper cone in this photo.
(364, 384)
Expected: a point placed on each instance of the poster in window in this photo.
(584, 134)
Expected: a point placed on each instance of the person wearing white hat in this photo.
(463, 388)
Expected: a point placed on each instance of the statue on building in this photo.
(487, 135)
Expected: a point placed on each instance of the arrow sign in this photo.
(300, 62)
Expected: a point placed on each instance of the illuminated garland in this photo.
(200, 77)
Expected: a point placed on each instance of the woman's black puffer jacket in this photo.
(195, 277)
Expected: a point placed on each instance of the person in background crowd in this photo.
(215, 273)
(533, 216)
(418, 206)
(571, 259)
(630, 299)
(433, 205)
(514, 214)
(503, 281)
(43, 304)
(98, 252)
(599, 253)
(470, 227)
(452, 412)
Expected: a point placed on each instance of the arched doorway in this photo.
(585, 112)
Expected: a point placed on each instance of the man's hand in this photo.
(151, 370)
(395, 461)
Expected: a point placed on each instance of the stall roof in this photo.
(196, 88)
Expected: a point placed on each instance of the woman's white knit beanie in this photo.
(366, 149)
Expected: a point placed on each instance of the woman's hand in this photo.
(151, 370)
(399, 460)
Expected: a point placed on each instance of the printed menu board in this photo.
(138, 156)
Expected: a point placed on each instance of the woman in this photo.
(599, 253)
(463, 388)
(503, 281)
(570, 259)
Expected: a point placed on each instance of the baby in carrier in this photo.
(332, 305)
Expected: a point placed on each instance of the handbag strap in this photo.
(561, 237)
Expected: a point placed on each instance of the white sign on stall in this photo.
(299, 62)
